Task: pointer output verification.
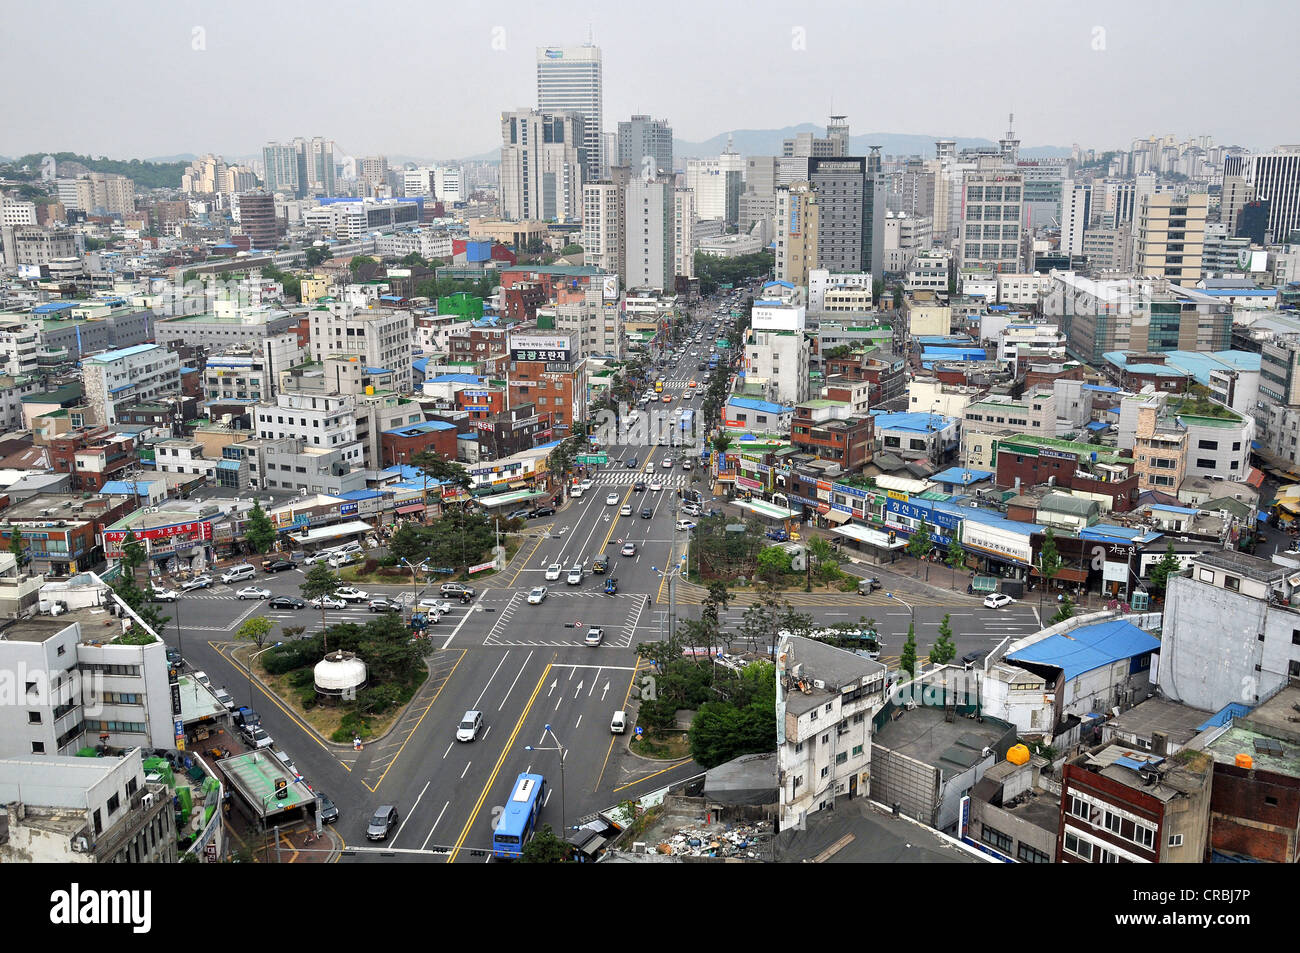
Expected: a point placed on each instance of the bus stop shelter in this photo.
(251, 780)
(506, 499)
(871, 541)
(339, 532)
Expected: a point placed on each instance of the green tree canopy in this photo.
(907, 658)
(1164, 567)
(255, 629)
(920, 544)
(943, 650)
(545, 847)
(258, 531)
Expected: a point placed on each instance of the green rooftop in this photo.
(1031, 442)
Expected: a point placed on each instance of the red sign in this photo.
(201, 529)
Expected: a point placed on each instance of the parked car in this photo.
(328, 602)
(383, 821)
(287, 602)
(553, 572)
(339, 560)
(519, 515)
(384, 605)
(256, 736)
(278, 565)
(253, 592)
(457, 589)
(440, 606)
(471, 723)
(685, 525)
(223, 696)
(537, 596)
(198, 582)
(327, 811)
(163, 595)
(202, 679)
(595, 635)
(239, 573)
(996, 600)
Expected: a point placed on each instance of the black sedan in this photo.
(542, 511)
(278, 565)
(286, 602)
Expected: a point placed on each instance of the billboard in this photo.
(540, 347)
(609, 287)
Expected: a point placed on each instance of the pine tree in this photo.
(1164, 567)
(1049, 563)
(258, 531)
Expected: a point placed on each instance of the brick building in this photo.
(93, 455)
(399, 445)
(520, 302)
(1024, 461)
(844, 440)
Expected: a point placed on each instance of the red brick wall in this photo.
(1243, 822)
(396, 449)
(1122, 796)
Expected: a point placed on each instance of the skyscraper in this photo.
(851, 207)
(1076, 210)
(796, 232)
(642, 136)
(992, 210)
(1275, 178)
(569, 80)
(285, 169)
(542, 162)
(650, 233)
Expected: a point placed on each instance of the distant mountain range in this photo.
(768, 142)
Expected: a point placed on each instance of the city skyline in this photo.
(767, 69)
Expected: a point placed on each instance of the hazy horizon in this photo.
(430, 82)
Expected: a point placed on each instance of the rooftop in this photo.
(1086, 647)
(953, 746)
(1252, 567)
(1181, 723)
(860, 831)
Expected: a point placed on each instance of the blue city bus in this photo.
(519, 818)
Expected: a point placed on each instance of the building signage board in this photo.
(540, 347)
(897, 495)
(995, 542)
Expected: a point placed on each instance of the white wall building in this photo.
(142, 372)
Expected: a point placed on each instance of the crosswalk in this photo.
(670, 479)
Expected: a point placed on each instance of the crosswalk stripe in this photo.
(628, 477)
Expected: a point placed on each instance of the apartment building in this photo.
(992, 211)
(135, 373)
(1169, 236)
(797, 216)
(377, 338)
(1033, 414)
(544, 163)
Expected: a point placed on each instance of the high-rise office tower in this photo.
(374, 173)
(796, 232)
(649, 232)
(683, 233)
(542, 164)
(645, 145)
(1076, 210)
(257, 219)
(569, 80)
(284, 169)
(992, 210)
(1275, 178)
(320, 164)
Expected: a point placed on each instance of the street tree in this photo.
(319, 582)
(919, 546)
(255, 629)
(1164, 567)
(258, 531)
(16, 546)
(955, 557)
(1065, 611)
(545, 847)
(773, 562)
(943, 650)
(907, 658)
(1049, 563)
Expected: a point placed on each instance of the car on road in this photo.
(328, 602)
(253, 592)
(668, 463)
(339, 560)
(256, 736)
(996, 600)
(632, 463)
(198, 582)
(278, 565)
(575, 491)
(173, 656)
(223, 696)
(327, 811)
(457, 589)
(646, 513)
(668, 398)
(383, 821)
(351, 594)
(553, 572)
(384, 605)
(618, 724)
(287, 602)
(595, 635)
(163, 595)
(537, 596)
(202, 679)
(574, 577)
(629, 549)
(440, 606)
(471, 723)
(542, 511)
(587, 484)
(691, 383)
(611, 500)
(626, 510)
(518, 515)
(656, 485)
(600, 564)
(638, 486)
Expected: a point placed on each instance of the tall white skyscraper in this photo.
(650, 233)
(1076, 210)
(569, 80)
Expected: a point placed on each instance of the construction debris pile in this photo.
(748, 841)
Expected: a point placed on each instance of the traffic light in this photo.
(892, 537)
(281, 789)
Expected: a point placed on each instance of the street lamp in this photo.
(248, 669)
(424, 566)
(564, 818)
(671, 575)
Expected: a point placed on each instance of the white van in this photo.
(239, 573)
(350, 547)
(618, 724)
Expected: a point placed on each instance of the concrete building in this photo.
(130, 374)
(378, 338)
(851, 199)
(796, 232)
(543, 161)
(1107, 250)
(217, 330)
(1229, 631)
(826, 698)
(257, 219)
(776, 352)
(570, 80)
(604, 225)
(1076, 216)
(926, 315)
(1274, 177)
(906, 236)
(1169, 237)
(649, 234)
(645, 145)
(992, 211)
(70, 810)
(684, 242)
(1034, 413)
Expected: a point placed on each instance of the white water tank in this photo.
(339, 674)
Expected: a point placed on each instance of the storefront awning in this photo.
(823, 508)
(410, 508)
(520, 485)
(768, 510)
(1065, 574)
(337, 531)
(839, 516)
(505, 499)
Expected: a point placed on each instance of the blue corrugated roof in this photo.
(1174, 509)
(916, 421)
(547, 446)
(456, 379)
(1224, 715)
(1089, 647)
(961, 476)
(1100, 531)
(358, 495)
(378, 370)
(1097, 425)
(121, 352)
(420, 363)
(1101, 388)
(123, 488)
(427, 426)
(766, 406)
(402, 471)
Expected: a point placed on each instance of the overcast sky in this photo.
(137, 79)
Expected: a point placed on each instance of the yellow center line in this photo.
(505, 750)
(410, 734)
(613, 524)
(631, 683)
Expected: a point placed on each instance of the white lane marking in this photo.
(435, 825)
(411, 812)
(506, 696)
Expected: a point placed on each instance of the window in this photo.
(1145, 836)
(1175, 840)
(1028, 855)
(995, 839)
(1270, 801)
(1231, 582)
(113, 804)
(1112, 822)
(1080, 848)
(38, 747)
(1078, 807)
